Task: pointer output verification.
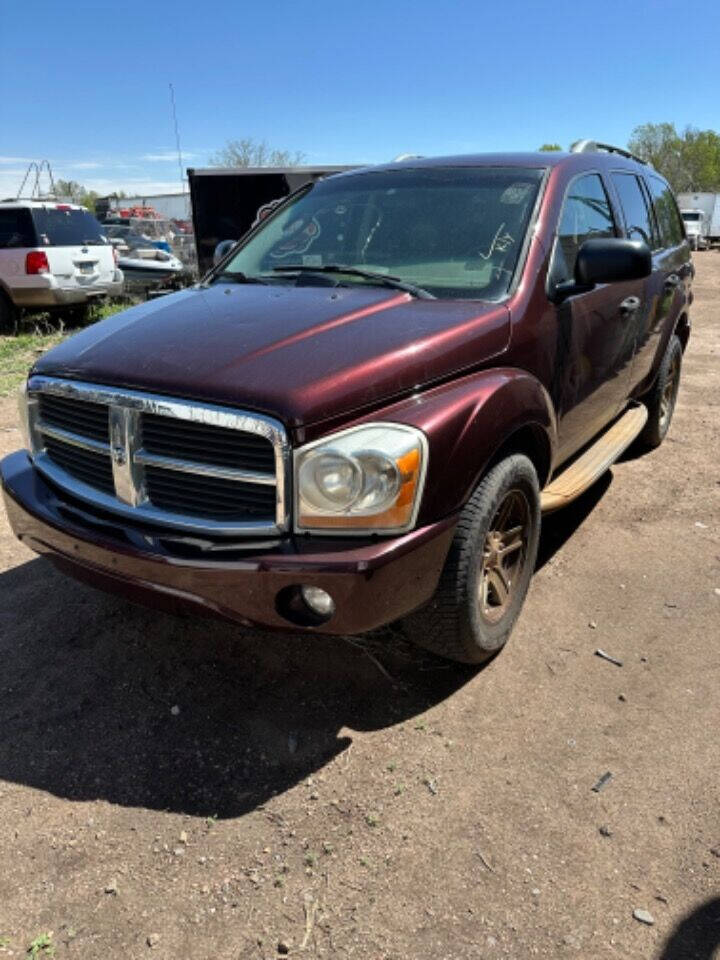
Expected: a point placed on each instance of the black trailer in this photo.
(226, 201)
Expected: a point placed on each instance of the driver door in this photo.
(595, 341)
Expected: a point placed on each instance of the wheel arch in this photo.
(533, 441)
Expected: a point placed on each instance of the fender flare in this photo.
(470, 423)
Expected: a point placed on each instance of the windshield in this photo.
(67, 228)
(454, 232)
(690, 217)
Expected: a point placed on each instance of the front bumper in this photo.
(372, 582)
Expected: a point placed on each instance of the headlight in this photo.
(365, 478)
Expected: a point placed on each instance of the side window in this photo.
(586, 213)
(635, 209)
(666, 213)
(16, 229)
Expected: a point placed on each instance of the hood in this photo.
(301, 354)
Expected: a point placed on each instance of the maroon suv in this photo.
(361, 412)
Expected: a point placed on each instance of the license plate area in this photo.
(87, 267)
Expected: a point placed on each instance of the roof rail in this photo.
(592, 146)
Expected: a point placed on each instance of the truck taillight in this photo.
(37, 262)
(116, 255)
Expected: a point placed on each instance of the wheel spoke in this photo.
(499, 584)
(484, 590)
(510, 547)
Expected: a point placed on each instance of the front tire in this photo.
(488, 569)
(663, 396)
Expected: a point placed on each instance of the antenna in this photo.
(177, 139)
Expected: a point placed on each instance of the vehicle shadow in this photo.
(697, 936)
(558, 527)
(101, 699)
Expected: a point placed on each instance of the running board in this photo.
(583, 472)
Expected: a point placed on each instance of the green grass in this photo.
(19, 351)
(41, 946)
(17, 355)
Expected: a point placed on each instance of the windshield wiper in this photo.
(235, 276)
(382, 278)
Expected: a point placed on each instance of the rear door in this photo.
(75, 245)
(595, 342)
(667, 286)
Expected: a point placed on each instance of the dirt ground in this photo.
(181, 789)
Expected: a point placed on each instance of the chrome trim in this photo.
(128, 476)
(206, 469)
(129, 460)
(67, 436)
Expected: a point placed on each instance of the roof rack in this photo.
(592, 146)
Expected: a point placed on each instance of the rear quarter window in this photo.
(667, 215)
(67, 228)
(16, 229)
(638, 222)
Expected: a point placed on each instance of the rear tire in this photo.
(660, 401)
(8, 314)
(488, 569)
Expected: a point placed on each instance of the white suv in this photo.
(52, 255)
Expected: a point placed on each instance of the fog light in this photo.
(318, 600)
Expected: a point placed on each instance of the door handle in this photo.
(629, 306)
(671, 281)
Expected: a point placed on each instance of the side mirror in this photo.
(609, 260)
(606, 260)
(222, 250)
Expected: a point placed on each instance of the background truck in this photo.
(701, 214)
(225, 202)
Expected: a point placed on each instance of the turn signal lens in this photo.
(368, 478)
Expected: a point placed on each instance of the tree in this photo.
(550, 147)
(76, 193)
(660, 145)
(689, 161)
(254, 153)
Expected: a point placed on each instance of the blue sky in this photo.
(85, 85)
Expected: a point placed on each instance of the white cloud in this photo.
(81, 165)
(16, 160)
(169, 156)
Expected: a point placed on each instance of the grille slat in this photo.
(87, 419)
(208, 496)
(203, 443)
(92, 468)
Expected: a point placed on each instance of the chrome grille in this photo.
(206, 444)
(90, 467)
(87, 419)
(173, 462)
(205, 496)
